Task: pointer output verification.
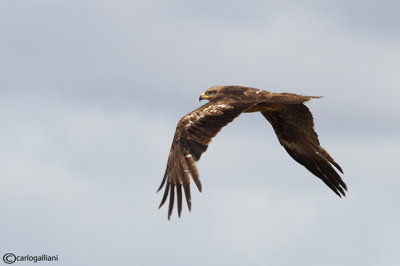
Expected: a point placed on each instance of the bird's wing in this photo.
(192, 136)
(294, 127)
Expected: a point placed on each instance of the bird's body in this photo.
(289, 117)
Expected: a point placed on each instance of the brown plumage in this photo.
(290, 118)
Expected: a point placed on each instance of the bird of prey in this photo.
(290, 118)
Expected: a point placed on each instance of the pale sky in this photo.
(90, 95)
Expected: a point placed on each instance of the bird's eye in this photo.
(210, 92)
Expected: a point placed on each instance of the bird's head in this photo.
(211, 93)
(219, 92)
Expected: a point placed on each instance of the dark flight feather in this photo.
(294, 127)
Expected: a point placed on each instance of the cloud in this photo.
(250, 219)
(90, 94)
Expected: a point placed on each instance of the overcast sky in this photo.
(90, 94)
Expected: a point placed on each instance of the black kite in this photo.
(290, 118)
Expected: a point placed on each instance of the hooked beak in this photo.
(203, 97)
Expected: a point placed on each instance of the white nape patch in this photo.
(257, 92)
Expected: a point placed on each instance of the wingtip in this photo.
(162, 182)
(337, 192)
(179, 212)
(337, 166)
(341, 191)
(161, 204)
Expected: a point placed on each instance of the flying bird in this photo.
(291, 120)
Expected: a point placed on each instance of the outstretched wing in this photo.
(294, 127)
(192, 136)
